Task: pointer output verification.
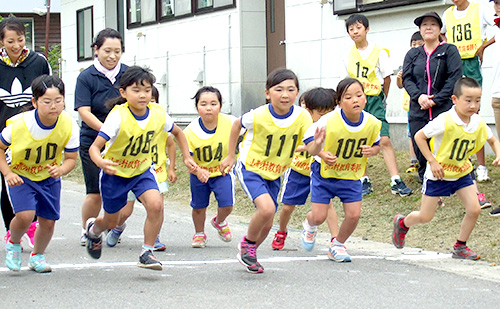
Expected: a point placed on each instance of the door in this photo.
(275, 34)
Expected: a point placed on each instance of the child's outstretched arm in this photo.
(370, 151)
(495, 145)
(95, 154)
(12, 178)
(171, 174)
(67, 166)
(227, 163)
(436, 168)
(183, 146)
(315, 146)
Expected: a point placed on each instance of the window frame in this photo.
(120, 17)
(385, 4)
(78, 57)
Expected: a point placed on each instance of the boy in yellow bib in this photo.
(36, 140)
(457, 133)
(464, 25)
(369, 63)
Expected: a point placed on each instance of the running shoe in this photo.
(413, 168)
(94, 245)
(482, 173)
(37, 263)
(149, 261)
(13, 257)
(399, 187)
(399, 233)
(367, 187)
(159, 246)
(440, 202)
(495, 212)
(483, 201)
(199, 241)
(248, 257)
(279, 240)
(83, 238)
(222, 229)
(29, 236)
(338, 254)
(113, 237)
(463, 252)
(308, 239)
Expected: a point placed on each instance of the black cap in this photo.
(418, 20)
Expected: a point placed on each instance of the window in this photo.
(342, 7)
(114, 15)
(30, 38)
(84, 33)
(142, 12)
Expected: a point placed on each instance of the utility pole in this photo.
(47, 28)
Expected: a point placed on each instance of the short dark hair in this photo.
(416, 37)
(319, 99)
(464, 82)
(155, 95)
(344, 84)
(206, 89)
(133, 75)
(107, 33)
(43, 82)
(356, 18)
(279, 75)
(12, 23)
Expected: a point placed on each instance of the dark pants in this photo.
(415, 126)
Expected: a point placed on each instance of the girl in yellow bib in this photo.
(273, 133)
(36, 140)
(126, 164)
(208, 137)
(457, 133)
(351, 135)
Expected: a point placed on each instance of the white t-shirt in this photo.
(383, 68)
(435, 128)
(321, 123)
(486, 17)
(495, 88)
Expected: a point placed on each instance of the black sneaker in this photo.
(94, 245)
(248, 257)
(367, 187)
(399, 187)
(495, 212)
(149, 261)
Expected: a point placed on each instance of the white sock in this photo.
(92, 234)
(337, 243)
(395, 177)
(363, 178)
(200, 234)
(308, 227)
(121, 228)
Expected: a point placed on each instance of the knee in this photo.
(474, 212)
(155, 208)
(317, 218)
(352, 216)
(267, 212)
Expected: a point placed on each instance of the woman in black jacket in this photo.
(429, 75)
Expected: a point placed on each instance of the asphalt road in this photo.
(379, 275)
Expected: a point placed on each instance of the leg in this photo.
(389, 155)
(7, 212)
(318, 214)
(114, 234)
(20, 224)
(43, 234)
(91, 207)
(472, 209)
(152, 201)
(260, 219)
(223, 213)
(495, 103)
(106, 222)
(285, 214)
(332, 221)
(352, 213)
(425, 214)
(199, 217)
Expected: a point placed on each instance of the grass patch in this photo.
(379, 209)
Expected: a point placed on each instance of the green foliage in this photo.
(54, 56)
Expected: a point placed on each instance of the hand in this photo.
(369, 151)
(328, 157)
(301, 148)
(191, 165)
(171, 174)
(437, 170)
(203, 175)
(54, 171)
(496, 161)
(226, 165)
(400, 74)
(480, 52)
(13, 179)
(107, 166)
(426, 101)
(319, 135)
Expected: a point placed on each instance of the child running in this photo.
(163, 141)
(296, 182)
(207, 137)
(457, 133)
(130, 130)
(273, 133)
(353, 135)
(36, 140)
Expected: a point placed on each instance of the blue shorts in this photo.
(42, 196)
(324, 189)
(162, 186)
(221, 186)
(296, 188)
(254, 185)
(445, 188)
(114, 189)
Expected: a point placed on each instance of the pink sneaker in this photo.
(29, 236)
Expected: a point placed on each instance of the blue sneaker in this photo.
(367, 187)
(158, 245)
(149, 261)
(37, 263)
(114, 236)
(13, 257)
(338, 254)
(308, 239)
(399, 187)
